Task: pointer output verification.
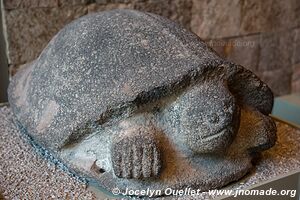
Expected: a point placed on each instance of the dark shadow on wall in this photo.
(3, 63)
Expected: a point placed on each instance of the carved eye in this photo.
(213, 118)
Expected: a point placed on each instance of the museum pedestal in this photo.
(24, 173)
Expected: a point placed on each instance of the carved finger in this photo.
(137, 161)
(156, 167)
(127, 160)
(147, 161)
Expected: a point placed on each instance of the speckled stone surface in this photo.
(132, 99)
(25, 174)
(281, 159)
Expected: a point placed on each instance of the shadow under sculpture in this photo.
(132, 100)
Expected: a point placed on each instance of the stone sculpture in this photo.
(132, 100)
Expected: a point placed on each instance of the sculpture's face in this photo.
(209, 117)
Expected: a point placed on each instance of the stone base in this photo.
(26, 174)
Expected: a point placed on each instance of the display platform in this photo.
(25, 174)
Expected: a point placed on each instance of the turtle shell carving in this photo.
(131, 99)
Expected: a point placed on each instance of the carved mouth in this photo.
(213, 136)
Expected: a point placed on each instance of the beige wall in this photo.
(262, 35)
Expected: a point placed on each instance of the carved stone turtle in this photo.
(132, 100)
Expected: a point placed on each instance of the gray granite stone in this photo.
(25, 174)
(131, 99)
(21, 164)
(177, 10)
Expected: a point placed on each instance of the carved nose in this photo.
(213, 118)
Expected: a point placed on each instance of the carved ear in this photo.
(249, 89)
